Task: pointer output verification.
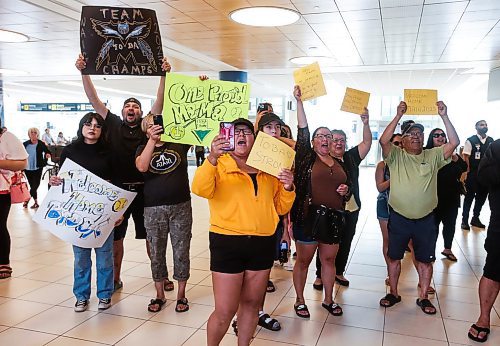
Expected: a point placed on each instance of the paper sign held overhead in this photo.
(120, 41)
(355, 101)
(84, 208)
(270, 155)
(310, 80)
(193, 109)
(421, 101)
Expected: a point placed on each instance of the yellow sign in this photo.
(270, 155)
(310, 80)
(355, 101)
(193, 109)
(421, 101)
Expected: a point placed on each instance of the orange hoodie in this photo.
(234, 207)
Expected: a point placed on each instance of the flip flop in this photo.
(391, 299)
(268, 322)
(430, 289)
(5, 271)
(332, 307)
(154, 302)
(449, 256)
(180, 302)
(479, 330)
(426, 303)
(270, 287)
(302, 308)
(168, 285)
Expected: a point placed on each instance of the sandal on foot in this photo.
(449, 256)
(155, 305)
(479, 330)
(168, 285)
(333, 308)
(268, 322)
(302, 311)
(319, 286)
(426, 304)
(270, 287)
(430, 289)
(181, 302)
(342, 282)
(5, 271)
(391, 300)
(35, 206)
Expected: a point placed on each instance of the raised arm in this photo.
(89, 88)
(366, 144)
(301, 114)
(157, 106)
(385, 139)
(453, 140)
(142, 161)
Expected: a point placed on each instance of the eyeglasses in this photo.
(414, 134)
(95, 126)
(246, 132)
(338, 140)
(322, 136)
(396, 143)
(437, 135)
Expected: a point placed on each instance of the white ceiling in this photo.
(381, 46)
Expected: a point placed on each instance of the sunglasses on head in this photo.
(437, 135)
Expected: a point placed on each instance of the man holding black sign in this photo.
(125, 136)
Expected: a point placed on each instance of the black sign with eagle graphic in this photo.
(120, 41)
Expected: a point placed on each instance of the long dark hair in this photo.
(87, 118)
(430, 142)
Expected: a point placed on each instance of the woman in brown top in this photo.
(320, 180)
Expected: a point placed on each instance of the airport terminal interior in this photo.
(379, 46)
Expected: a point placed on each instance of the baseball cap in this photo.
(410, 124)
(267, 118)
(132, 99)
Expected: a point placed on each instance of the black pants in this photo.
(4, 232)
(448, 216)
(474, 190)
(34, 178)
(200, 157)
(351, 220)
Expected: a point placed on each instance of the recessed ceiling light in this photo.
(265, 16)
(10, 72)
(306, 60)
(12, 36)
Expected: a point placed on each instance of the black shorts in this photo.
(136, 209)
(423, 232)
(233, 254)
(491, 268)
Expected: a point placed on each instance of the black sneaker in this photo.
(81, 305)
(104, 303)
(465, 226)
(477, 223)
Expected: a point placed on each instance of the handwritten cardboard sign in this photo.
(355, 101)
(84, 208)
(421, 101)
(193, 108)
(120, 41)
(310, 80)
(270, 155)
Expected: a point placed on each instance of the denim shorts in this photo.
(382, 209)
(301, 236)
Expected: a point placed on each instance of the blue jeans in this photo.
(83, 270)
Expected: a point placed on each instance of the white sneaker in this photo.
(104, 304)
(81, 305)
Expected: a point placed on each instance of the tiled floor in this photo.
(36, 304)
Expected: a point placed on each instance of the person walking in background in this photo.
(90, 150)
(38, 153)
(448, 191)
(13, 157)
(474, 149)
(489, 285)
(47, 138)
(242, 227)
(199, 152)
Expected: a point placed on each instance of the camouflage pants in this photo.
(161, 221)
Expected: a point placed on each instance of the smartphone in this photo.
(227, 130)
(266, 106)
(158, 120)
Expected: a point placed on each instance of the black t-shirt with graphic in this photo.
(166, 182)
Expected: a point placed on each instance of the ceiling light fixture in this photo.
(12, 36)
(306, 60)
(11, 72)
(265, 16)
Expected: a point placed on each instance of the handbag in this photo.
(19, 191)
(325, 224)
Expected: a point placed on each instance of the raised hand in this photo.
(442, 108)
(402, 107)
(365, 117)
(80, 62)
(297, 93)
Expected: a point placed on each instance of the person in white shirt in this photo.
(47, 138)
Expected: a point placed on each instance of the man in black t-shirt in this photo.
(124, 137)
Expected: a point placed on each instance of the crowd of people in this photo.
(316, 204)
